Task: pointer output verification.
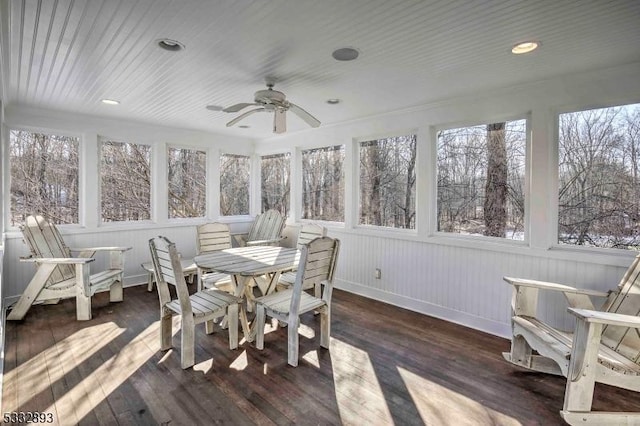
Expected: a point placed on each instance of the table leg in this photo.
(240, 283)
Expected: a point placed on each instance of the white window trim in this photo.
(433, 223)
(356, 210)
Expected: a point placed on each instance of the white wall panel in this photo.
(460, 284)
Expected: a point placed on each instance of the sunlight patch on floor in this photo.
(204, 366)
(54, 360)
(358, 394)
(240, 363)
(94, 389)
(312, 358)
(438, 405)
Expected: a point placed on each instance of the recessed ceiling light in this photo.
(110, 102)
(170, 45)
(333, 101)
(214, 107)
(244, 126)
(345, 54)
(525, 47)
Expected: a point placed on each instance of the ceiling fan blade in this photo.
(241, 116)
(279, 121)
(237, 107)
(310, 119)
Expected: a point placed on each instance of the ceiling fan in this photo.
(270, 100)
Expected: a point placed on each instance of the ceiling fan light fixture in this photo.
(333, 101)
(525, 47)
(110, 102)
(345, 54)
(171, 45)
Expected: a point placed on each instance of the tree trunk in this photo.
(495, 200)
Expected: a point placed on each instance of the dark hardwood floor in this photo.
(386, 366)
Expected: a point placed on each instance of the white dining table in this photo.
(263, 264)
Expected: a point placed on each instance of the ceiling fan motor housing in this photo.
(270, 96)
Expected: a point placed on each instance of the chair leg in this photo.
(166, 331)
(150, 281)
(232, 318)
(325, 326)
(116, 293)
(83, 307)
(293, 342)
(187, 355)
(260, 322)
(578, 395)
(208, 327)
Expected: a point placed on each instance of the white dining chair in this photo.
(202, 306)
(317, 266)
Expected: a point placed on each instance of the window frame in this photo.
(251, 159)
(208, 181)
(347, 147)
(82, 184)
(152, 190)
(575, 251)
(436, 235)
(356, 141)
(260, 157)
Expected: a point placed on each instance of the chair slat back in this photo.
(317, 264)
(45, 241)
(213, 237)
(266, 226)
(309, 232)
(168, 270)
(625, 300)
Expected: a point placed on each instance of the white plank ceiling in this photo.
(69, 54)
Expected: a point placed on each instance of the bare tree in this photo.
(44, 176)
(495, 200)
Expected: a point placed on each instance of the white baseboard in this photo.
(463, 318)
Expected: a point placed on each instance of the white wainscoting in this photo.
(461, 284)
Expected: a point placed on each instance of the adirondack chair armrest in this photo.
(121, 249)
(608, 318)
(543, 285)
(264, 242)
(240, 239)
(61, 260)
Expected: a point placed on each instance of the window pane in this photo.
(323, 184)
(44, 176)
(125, 181)
(234, 184)
(481, 173)
(276, 172)
(599, 189)
(388, 181)
(187, 170)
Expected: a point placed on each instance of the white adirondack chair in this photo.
(202, 306)
(307, 233)
(317, 265)
(266, 230)
(59, 275)
(604, 348)
(213, 237)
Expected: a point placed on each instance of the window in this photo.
(598, 178)
(388, 182)
(234, 184)
(125, 181)
(481, 172)
(275, 187)
(187, 176)
(323, 184)
(44, 176)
